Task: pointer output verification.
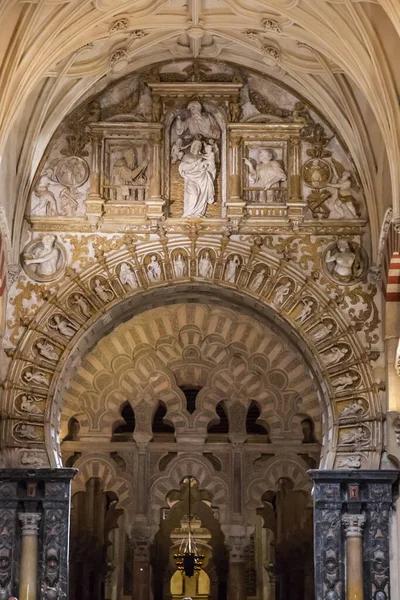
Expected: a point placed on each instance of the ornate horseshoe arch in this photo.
(294, 303)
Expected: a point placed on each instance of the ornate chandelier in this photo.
(189, 559)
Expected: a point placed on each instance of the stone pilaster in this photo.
(351, 512)
(34, 533)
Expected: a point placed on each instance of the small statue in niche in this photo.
(199, 123)
(305, 311)
(102, 291)
(35, 377)
(323, 331)
(43, 258)
(231, 269)
(46, 350)
(81, 303)
(205, 266)
(343, 262)
(28, 404)
(179, 266)
(352, 410)
(344, 381)
(128, 178)
(335, 355)
(154, 269)
(265, 175)
(63, 327)
(258, 280)
(281, 293)
(198, 171)
(127, 276)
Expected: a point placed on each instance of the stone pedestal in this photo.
(351, 533)
(34, 532)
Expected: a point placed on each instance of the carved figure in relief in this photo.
(63, 327)
(334, 356)
(350, 462)
(179, 266)
(305, 311)
(343, 262)
(47, 201)
(177, 151)
(198, 123)
(322, 332)
(128, 178)
(281, 293)
(47, 350)
(205, 266)
(81, 303)
(354, 437)
(154, 269)
(32, 459)
(198, 172)
(352, 410)
(72, 171)
(266, 173)
(27, 431)
(46, 257)
(28, 404)
(344, 381)
(258, 280)
(127, 276)
(35, 377)
(102, 291)
(232, 268)
(209, 158)
(345, 194)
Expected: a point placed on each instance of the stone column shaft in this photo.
(28, 580)
(353, 525)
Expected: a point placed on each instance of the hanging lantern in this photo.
(188, 559)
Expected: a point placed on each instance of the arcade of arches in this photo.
(199, 299)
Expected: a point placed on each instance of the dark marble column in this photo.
(45, 493)
(338, 495)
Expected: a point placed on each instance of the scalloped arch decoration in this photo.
(182, 467)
